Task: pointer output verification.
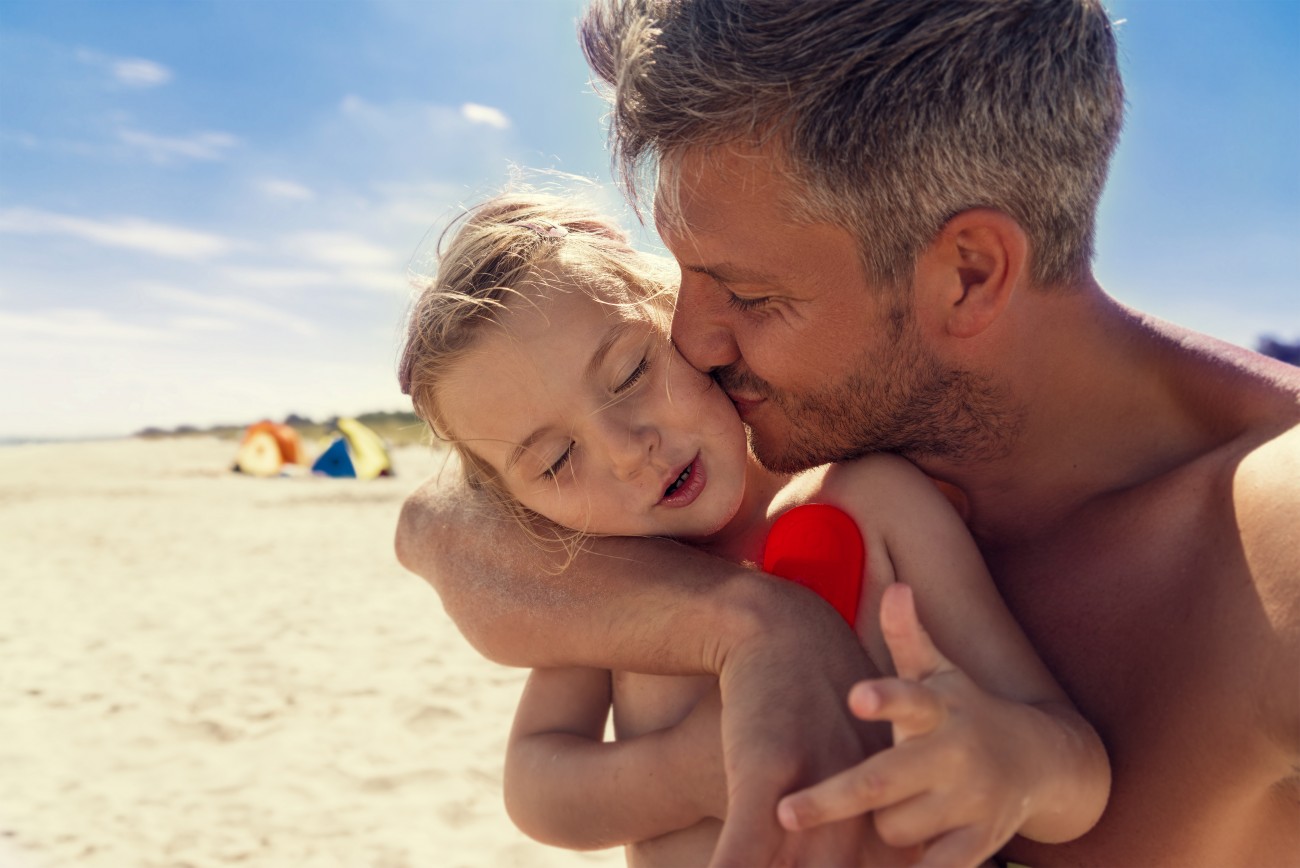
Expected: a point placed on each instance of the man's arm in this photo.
(644, 605)
(784, 659)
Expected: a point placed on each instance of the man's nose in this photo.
(701, 331)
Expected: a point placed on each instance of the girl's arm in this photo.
(986, 745)
(566, 787)
(784, 659)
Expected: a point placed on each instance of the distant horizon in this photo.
(219, 429)
(208, 209)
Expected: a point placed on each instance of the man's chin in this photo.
(778, 454)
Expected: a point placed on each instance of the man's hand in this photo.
(953, 780)
(783, 727)
(694, 755)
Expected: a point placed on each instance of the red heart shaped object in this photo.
(820, 547)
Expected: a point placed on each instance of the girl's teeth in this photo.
(677, 483)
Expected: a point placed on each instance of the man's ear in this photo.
(971, 269)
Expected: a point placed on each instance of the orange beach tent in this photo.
(268, 446)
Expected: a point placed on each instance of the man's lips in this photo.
(744, 404)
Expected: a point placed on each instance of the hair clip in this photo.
(544, 228)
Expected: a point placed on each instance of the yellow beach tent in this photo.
(356, 451)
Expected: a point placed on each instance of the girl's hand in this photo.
(957, 780)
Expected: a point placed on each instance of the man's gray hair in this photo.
(892, 116)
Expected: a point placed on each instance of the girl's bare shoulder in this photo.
(874, 485)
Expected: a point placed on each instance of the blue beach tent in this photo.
(335, 461)
(356, 452)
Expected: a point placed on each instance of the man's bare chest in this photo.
(1144, 607)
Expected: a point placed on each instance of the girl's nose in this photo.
(631, 446)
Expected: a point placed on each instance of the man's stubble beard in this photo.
(899, 399)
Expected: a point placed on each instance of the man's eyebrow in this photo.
(730, 272)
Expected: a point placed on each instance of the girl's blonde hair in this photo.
(486, 259)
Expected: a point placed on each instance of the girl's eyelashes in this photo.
(554, 470)
(633, 377)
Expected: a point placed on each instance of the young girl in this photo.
(541, 352)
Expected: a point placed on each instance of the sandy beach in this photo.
(201, 669)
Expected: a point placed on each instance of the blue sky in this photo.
(207, 208)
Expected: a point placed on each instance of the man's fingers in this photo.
(749, 836)
(915, 656)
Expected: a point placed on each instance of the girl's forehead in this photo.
(525, 366)
(552, 301)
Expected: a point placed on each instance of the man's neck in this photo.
(1108, 399)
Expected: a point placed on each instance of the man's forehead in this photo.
(701, 191)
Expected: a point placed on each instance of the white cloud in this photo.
(166, 149)
(135, 72)
(342, 249)
(378, 279)
(138, 72)
(278, 188)
(125, 232)
(421, 205)
(277, 278)
(20, 138)
(232, 306)
(76, 323)
(408, 121)
(485, 114)
(346, 276)
(353, 104)
(202, 324)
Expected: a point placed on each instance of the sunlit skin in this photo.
(593, 423)
(590, 417)
(820, 363)
(1131, 484)
(1113, 469)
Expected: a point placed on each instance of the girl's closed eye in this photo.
(634, 377)
(554, 470)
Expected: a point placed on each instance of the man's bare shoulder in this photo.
(1266, 502)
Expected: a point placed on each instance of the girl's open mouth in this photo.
(686, 487)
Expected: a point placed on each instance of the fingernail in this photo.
(864, 699)
(786, 815)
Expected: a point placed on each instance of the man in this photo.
(884, 214)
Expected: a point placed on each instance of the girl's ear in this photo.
(968, 273)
